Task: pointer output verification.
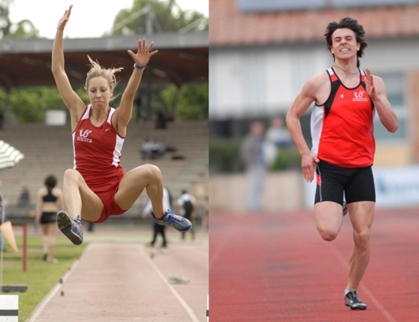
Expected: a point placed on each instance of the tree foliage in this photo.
(190, 102)
(29, 104)
(5, 22)
(22, 29)
(147, 16)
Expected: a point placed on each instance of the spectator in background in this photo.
(205, 216)
(278, 134)
(159, 229)
(49, 201)
(276, 137)
(146, 148)
(187, 208)
(161, 120)
(162, 147)
(253, 157)
(138, 106)
(153, 149)
(1, 120)
(24, 197)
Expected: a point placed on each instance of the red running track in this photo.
(275, 267)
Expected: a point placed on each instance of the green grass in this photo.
(40, 276)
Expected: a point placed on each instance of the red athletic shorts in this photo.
(110, 208)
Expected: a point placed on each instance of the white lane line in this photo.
(377, 303)
(176, 294)
(39, 308)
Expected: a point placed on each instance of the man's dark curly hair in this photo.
(351, 24)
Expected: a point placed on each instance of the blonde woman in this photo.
(49, 201)
(97, 186)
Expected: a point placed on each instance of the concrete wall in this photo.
(396, 187)
(283, 192)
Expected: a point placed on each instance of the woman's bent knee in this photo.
(71, 174)
(153, 171)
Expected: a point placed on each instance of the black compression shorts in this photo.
(48, 217)
(333, 181)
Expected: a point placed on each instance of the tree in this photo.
(188, 102)
(5, 22)
(21, 29)
(147, 16)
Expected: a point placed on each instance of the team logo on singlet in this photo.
(84, 136)
(359, 97)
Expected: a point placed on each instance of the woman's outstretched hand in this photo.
(63, 21)
(143, 55)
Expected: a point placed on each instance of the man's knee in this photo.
(327, 234)
(362, 238)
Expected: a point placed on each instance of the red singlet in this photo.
(97, 153)
(342, 128)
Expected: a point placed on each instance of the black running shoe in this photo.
(353, 302)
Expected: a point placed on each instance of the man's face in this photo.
(344, 45)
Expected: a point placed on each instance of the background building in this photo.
(262, 52)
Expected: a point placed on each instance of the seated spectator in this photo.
(24, 198)
(146, 149)
(158, 148)
(161, 147)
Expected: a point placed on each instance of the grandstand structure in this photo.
(48, 150)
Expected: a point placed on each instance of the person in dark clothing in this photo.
(159, 229)
(49, 201)
(187, 206)
(24, 198)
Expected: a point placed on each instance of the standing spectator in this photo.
(159, 229)
(1, 120)
(255, 165)
(139, 106)
(187, 207)
(161, 120)
(277, 136)
(205, 216)
(24, 197)
(49, 201)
